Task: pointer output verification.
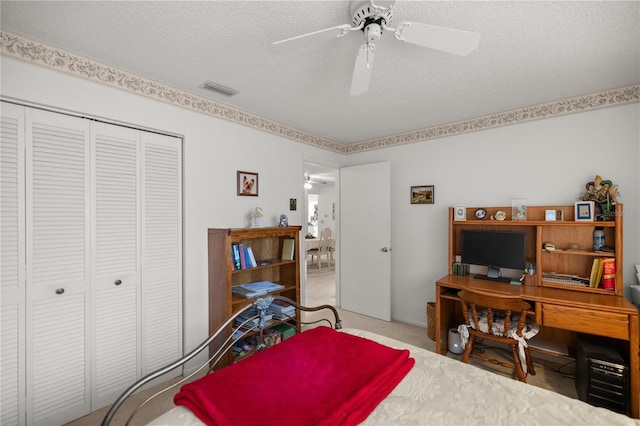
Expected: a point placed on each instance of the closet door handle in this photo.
(59, 290)
(118, 282)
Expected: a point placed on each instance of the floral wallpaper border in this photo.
(17, 46)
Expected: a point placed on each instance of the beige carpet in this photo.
(320, 290)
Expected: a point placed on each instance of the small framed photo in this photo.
(422, 194)
(550, 215)
(519, 209)
(584, 211)
(247, 183)
(293, 203)
(459, 213)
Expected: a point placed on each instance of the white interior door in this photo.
(116, 260)
(12, 270)
(58, 270)
(161, 291)
(365, 239)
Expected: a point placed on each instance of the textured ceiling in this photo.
(530, 53)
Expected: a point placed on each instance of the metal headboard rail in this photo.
(239, 332)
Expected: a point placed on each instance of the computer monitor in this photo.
(495, 250)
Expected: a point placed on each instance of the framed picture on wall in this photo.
(422, 194)
(247, 183)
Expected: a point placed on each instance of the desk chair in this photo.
(323, 249)
(499, 318)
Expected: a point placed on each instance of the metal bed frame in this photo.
(239, 332)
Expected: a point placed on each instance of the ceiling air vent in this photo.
(227, 91)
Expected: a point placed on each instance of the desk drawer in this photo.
(586, 320)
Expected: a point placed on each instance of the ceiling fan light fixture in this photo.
(219, 88)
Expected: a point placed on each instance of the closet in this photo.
(91, 261)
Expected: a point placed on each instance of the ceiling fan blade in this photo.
(448, 40)
(310, 38)
(362, 69)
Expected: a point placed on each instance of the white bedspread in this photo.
(444, 391)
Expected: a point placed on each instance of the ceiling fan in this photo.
(312, 180)
(373, 18)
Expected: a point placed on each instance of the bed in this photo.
(413, 387)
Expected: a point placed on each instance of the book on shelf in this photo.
(281, 310)
(255, 289)
(609, 273)
(552, 277)
(249, 294)
(606, 250)
(288, 248)
(596, 273)
(252, 317)
(243, 256)
(281, 306)
(235, 256)
(251, 258)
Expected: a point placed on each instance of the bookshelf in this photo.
(574, 254)
(266, 245)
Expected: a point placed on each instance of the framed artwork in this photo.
(550, 215)
(584, 211)
(247, 183)
(422, 194)
(293, 203)
(459, 213)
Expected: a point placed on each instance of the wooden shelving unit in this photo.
(266, 244)
(563, 234)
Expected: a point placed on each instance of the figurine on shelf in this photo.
(256, 218)
(605, 195)
(284, 221)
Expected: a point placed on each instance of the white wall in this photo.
(547, 162)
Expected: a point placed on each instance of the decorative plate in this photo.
(500, 215)
(480, 213)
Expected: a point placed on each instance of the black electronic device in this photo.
(602, 375)
(495, 250)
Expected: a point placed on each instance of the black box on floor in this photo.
(602, 375)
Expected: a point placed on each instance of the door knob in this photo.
(384, 249)
(118, 282)
(59, 290)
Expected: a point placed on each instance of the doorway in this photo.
(320, 212)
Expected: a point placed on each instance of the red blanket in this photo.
(318, 377)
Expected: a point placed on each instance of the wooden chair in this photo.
(499, 318)
(324, 249)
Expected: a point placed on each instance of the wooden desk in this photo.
(560, 314)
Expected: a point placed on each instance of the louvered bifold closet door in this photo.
(162, 251)
(116, 265)
(12, 273)
(58, 276)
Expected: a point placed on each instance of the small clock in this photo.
(480, 213)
